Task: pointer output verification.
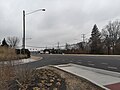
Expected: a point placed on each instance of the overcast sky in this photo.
(63, 21)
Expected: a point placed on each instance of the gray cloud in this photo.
(63, 20)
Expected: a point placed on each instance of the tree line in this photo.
(106, 41)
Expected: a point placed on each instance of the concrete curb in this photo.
(21, 61)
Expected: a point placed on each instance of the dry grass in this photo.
(24, 78)
(9, 54)
(7, 69)
(9, 74)
(6, 74)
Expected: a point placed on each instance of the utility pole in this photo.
(23, 29)
(83, 37)
(46, 47)
(58, 45)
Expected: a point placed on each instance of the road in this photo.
(111, 63)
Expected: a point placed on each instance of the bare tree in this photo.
(13, 41)
(111, 33)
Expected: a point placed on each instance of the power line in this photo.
(46, 46)
(35, 46)
(83, 37)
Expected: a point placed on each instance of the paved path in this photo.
(100, 77)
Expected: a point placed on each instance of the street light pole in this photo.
(23, 29)
(24, 14)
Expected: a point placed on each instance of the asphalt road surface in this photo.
(111, 63)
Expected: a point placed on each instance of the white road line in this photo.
(112, 67)
(105, 63)
(91, 64)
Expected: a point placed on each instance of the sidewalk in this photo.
(103, 78)
(22, 61)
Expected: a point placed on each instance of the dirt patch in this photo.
(42, 79)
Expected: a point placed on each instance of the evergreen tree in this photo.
(95, 40)
(4, 43)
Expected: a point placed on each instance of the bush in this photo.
(10, 54)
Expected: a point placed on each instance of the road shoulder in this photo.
(36, 58)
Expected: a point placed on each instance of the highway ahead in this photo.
(103, 62)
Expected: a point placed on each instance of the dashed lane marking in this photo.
(104, 63)
(112, 67)
(89, 61)
(91, 64)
